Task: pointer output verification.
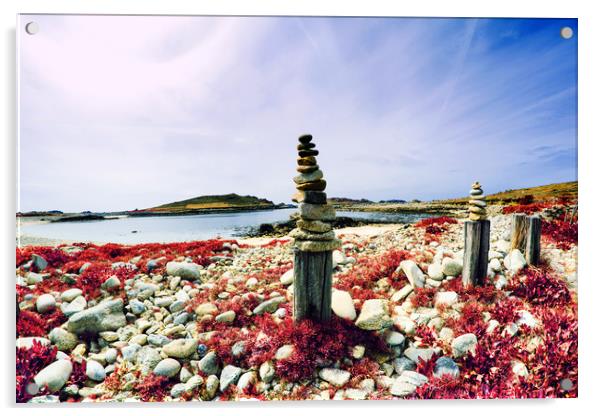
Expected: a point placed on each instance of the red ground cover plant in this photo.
(539, 287)
(152, 388)
(435, 225)
(423, 297)
(528, 209)
(561, 233)
(29, 362)
(33, 324)
(359, 281)
(313, 343)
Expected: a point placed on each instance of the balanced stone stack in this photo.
(477, 204)
(314, 229)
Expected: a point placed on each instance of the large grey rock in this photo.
(451, 267)
(64, 340)
(402, 364)
(209, 363)
(188, 271)
(374, 315)
(269, 305)
(407, 383)
(147, 359)
(515, 261)
(70, 294)
(413, 273)
(167, 367)
(415, 354)
(342, 305)
(54, 376)
(229, 375)
(106, 316)
(76, 305)
(38, 262)
(180, 348)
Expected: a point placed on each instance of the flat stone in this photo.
(317, 246)
(302, 235)
(394, 338)
(76, 305)
(413, 273)
(451, 267)
(188, 271)
(318, 185)
(306, 153)
(402, 293)
(417, 354)
(38, 262)
(335, 376)
(446, 298)
(95, 371)
(206, 309)
(305, 146)
(106, 316)
(269, 305)
(208, 364)
(45, 303)
(305, 138)
(315, 226)
(70, 294)
(284, 352)
(311, 197)
(464, 344)
(246, 380)
(288, 277)
(180, 348)
(402, 364)
(317, 211)
(267, 371)
(446, 366)
(54, 376)
(342, 305)
(167, 367)
(435, 271)
(226, 317)
(64, 340)
(374, 315)
(308, 177)
(229, 375)
(306, 161)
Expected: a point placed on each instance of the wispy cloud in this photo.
(130, 112)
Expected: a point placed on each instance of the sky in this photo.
(125, 112)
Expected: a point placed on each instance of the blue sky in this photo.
(130, 112)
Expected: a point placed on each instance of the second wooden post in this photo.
(314, 239)
(476, 240)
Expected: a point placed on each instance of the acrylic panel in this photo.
(295, 208)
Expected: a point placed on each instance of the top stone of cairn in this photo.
(314, 229)
(476, 204)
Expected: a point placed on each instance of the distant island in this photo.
(211, 203)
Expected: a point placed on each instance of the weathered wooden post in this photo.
(520, 226)
(533, 243)
(314, 239)
(476, 239)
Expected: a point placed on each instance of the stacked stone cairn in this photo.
(476, 204)
(314, 229)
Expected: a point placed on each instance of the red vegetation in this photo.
(29, 362)
(562, 233)
(435, 225)
(361, 279)
(152, 388)
(313, 343)
(528, 209)
(423, 297)
(78, 374)
(32, 324)
(539, 287)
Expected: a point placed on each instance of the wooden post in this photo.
(533, 245)
(312, 285)
(476, 252)
(520, 227)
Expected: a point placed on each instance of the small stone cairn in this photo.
(476, 204)
(314, 229)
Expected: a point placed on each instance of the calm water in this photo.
(181, 228)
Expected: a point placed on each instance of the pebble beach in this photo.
(212, 320)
